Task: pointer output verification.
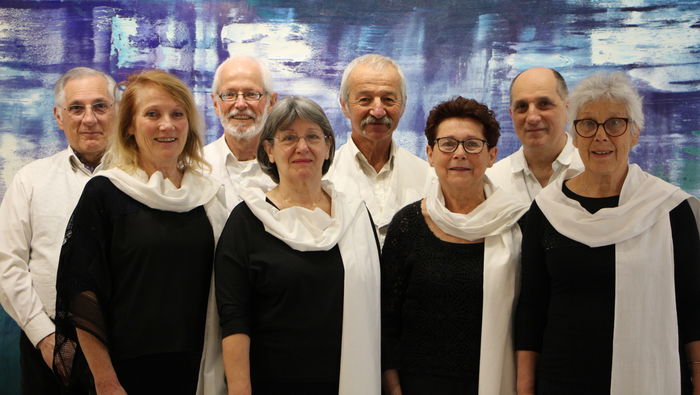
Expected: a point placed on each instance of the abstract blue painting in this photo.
(446, 48)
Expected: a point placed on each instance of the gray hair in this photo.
(283, 114)
(377, 62)
(562, 89)
(59, 90)
(264, 71)
(616, 87)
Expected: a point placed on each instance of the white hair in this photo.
(59, 90)
(616, 87)
(377, 62)
(264, 71)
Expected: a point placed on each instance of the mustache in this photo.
(372, 119)
(247, 112)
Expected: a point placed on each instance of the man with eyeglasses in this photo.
(34, 214)
(243, 96)
(371, 164)
(538, 109)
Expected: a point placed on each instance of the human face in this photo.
(87, 134)
(460, 169)
(374, 105)
(538, 112)
(603, 155)
(302, 161)
(160, 128)
(242, 119)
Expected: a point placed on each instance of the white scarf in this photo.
(645, 356)
(350, 228)
(195, 190)
(494, 220)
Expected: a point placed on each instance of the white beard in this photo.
(244, 133)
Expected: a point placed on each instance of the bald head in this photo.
(543, 73)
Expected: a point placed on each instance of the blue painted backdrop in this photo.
(446, 48)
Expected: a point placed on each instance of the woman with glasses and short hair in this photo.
(297, 271)
(610, 274)
(135, 311)
(449, 267)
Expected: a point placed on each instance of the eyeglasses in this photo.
(613, 127)
(79, 110)
(250, 96)
(289, 140)
(449, 145)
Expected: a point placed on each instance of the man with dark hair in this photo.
(538, 110)
(34, 214)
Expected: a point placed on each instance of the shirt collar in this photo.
(364, 163)
(77, 165)
(519, 163)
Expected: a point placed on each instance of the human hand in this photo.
(46, 346)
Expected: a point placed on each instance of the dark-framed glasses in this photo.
(613, 127)
(250, 96)
(449, 145)
(291, 139)
(79, 110)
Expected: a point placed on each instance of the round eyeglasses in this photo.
(79, 110)
(449, 145)
(250, 96)
(613, 127)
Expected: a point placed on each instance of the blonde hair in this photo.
(124, 151)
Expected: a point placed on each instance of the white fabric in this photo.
(350, 228)
(513, 174)
(494, 220)
(645, 336)
(231, 172)
(195, 190)
(33, 217)
(404, 179)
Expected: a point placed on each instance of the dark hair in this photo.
(460, 107)
(283, 114)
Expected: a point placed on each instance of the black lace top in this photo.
(432, 294)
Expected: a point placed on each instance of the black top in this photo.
(289, 302)
(135, 277)
(567, 300)
(432, 293)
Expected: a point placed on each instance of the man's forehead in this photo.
(86, 89)
(247, 74)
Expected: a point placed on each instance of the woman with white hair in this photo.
(610, 274)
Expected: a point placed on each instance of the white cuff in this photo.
(38, 328)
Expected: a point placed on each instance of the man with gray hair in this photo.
(243, 96)
(371, 164)
(538, 109)
(35, 211)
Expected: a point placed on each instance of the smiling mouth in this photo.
(460, 168)
(165, 139)
(601, 152)
(241, 117)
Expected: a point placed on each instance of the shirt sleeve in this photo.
(686, 254)
(17, 294)
(395, 271)
(533, 302)
(231, 275)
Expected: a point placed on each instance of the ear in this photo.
(217, 110)
(493, 152)
(268, 150)
(273, 99)
(429, 154)
(57, 116)
(344, 107)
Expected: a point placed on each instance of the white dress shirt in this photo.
(404, 179)
(513, 174)
(33, 218)
(228, 170)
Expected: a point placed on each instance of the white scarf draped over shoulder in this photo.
(195, 190)
(645, 358)
(495, 221)
(349, 227)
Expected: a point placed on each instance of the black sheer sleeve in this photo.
(82, 282)
(686, 254)
(533, 302)
(395, 271)
(231, 273)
